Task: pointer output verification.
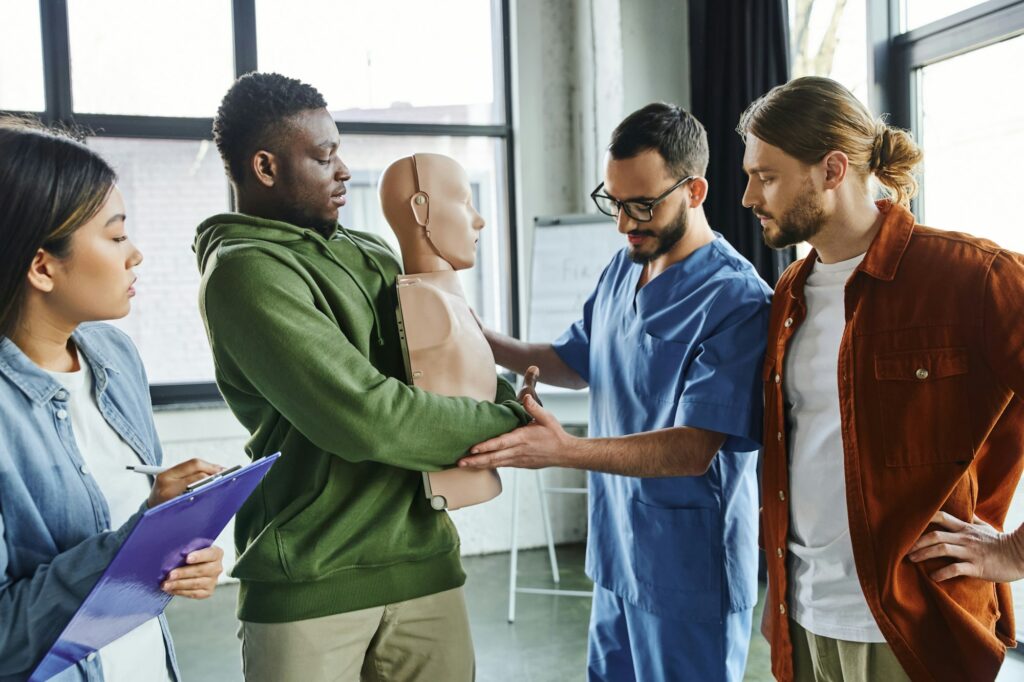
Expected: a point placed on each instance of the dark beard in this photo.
(799, 223)
(668, 238)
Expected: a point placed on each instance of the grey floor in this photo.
(547, 642)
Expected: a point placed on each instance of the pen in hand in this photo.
(146, 469)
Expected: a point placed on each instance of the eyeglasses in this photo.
(640, 211)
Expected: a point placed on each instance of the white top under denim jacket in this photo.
(54, 519)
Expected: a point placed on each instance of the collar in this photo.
(883, 257)
(39, 386)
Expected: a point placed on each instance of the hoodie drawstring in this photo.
(366, 295)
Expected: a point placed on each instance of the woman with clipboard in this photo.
(74, 409)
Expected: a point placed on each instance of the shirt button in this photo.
(782, 495)
(921, 373)
(62, 395)
(778, 379)
(782, 609)
(84, 469)
(778, 552)
(789, 322)
(62, 414)
(778, 436)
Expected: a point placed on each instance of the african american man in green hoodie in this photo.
(346, 572)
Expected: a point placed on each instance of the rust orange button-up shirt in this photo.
(931, 396)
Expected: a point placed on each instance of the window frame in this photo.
(59, 110)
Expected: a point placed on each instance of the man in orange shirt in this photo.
(894, 407)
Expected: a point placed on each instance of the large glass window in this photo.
(146, 80)
(390, 60)
(829, 38)
(21, 56)
(920, 12)
(973, 137)
(149, 58)
(169, 187)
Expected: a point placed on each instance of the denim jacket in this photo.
(54, 521)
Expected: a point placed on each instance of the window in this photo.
(153, 59)
(973, 136)
(920, 12)
(829, 38)
(390, 60)
(21, 56)
(169, 187)
(146, 79)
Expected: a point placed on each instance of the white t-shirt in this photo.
(825, 596)
(139, 655)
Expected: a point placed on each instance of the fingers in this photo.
(192, 589)
(194, 468)
(531, 376)
(492, 460)
(934, 538)
(948, 521)
(539, 414)
(955, 571)
(943, 549)
(201, 556)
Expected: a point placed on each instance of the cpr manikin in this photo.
(426, 199)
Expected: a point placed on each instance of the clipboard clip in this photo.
(192, 487)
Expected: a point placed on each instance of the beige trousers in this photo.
(420, 640)
(823, 659)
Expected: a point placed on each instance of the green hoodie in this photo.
(307, 353)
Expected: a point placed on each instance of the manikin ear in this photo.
(264, 168)
(40, 272)
(698, 192)
(835, 165)
(420, 203)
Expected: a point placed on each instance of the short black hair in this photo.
(672, 131)
(253, 111)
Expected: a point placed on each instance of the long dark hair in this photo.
(50, 185)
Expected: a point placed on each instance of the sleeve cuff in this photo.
(732, 420)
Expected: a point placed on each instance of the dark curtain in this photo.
(739, 49)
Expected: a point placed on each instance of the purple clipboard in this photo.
(128, 593)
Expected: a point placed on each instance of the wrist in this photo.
(1015, 545)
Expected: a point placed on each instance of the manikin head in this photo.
(280, 147)
(654, 180)
(811, 146)
(427, 200)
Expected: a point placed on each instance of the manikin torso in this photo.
(426, 201)
(447, 352)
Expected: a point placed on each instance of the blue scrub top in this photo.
(685, 350)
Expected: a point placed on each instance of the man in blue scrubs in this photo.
(671, 345)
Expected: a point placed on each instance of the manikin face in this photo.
(645, 177)
(310, 185)
(453, 222)
(782, 193)
(94, 282)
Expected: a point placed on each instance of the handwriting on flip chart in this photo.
(569, 255)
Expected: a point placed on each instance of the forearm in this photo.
(518, 355)
(677, 451)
